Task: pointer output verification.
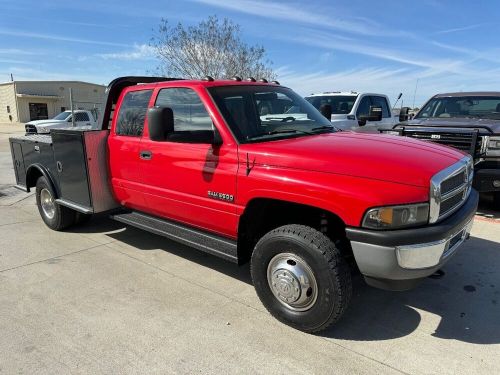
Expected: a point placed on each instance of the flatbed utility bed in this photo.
(73, 160)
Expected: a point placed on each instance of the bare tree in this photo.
(211, 48)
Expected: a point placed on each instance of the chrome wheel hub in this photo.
(47, 203)
(292, 281)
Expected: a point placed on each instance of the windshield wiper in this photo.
(280, 131)
(281, 119)
(325, 127)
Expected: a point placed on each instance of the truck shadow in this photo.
(463, 305)
(485, 208)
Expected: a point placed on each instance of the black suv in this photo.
(469, 121)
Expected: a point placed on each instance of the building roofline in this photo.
(50, 81)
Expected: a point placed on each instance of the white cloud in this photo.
(391, 81)
(457, 29)
(139, 52)
(58, 38)
(293, 12)
(16, 51)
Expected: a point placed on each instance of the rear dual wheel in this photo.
(54, 215)
(301, 277)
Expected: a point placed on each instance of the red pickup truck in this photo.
(249, 170)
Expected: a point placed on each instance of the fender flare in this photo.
(44, 172)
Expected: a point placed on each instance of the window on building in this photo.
(63, 109)
(132, 113)
(189, 112)
(8, 109)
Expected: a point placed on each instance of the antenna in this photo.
(396, 102)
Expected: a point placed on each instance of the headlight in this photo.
(493, 148)
(392, 217)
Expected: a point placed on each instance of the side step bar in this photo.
(210, 243)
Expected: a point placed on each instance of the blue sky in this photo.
(318, 45)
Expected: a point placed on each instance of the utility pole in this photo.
(11, 77)
(71, 104)
(415, 94)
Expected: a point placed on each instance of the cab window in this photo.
(189, 112)
(132, 113)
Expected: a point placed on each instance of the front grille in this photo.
(30, 129)
(462, 141)
(450, 188)
(453, 183)
(450, 203)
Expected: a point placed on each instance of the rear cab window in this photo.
(132, 113)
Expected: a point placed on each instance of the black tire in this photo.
(333, 277)
(62, 216)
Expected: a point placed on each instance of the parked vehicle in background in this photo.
(250, 170)
(468, 121)
(351, 110)
(63, 120)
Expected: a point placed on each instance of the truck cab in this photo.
(250, 171)
(349, 110)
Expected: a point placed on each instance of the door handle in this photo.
(146, 155)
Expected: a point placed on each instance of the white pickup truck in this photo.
(63, 120)
(349, 108)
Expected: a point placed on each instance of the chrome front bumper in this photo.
(400, 259)
(430, 254)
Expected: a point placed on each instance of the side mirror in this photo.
(326, 110)
(160, 123)
(375, 114)
(403, 114)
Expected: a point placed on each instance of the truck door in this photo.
(364, 109)
(387, 118)
(194, 183)
(123, 143)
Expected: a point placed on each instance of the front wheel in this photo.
(301, 277)
(56, 217)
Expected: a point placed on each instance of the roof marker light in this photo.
(251, 79)
(208, 79)
(236, 78)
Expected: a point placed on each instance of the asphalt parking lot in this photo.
(106, 298)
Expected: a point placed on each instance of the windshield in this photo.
(62, 116)
(261, 113)
(463, 106)
(341, 104)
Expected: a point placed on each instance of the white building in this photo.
(23, 101)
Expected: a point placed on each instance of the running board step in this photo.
(210, 243)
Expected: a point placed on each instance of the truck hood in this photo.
(459, 122)
(44, 126)
(45, 122)
(374, 156)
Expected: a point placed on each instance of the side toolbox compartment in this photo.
(30, 150)
(81, 163)
(18, 160)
